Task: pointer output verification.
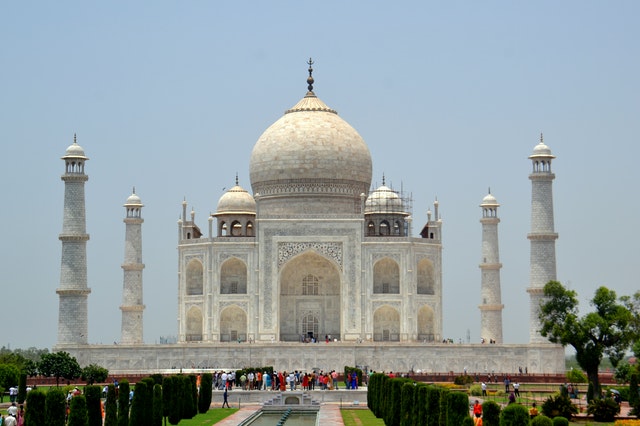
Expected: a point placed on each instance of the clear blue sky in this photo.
(451, 97)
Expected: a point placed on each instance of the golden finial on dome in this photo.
(310, 78)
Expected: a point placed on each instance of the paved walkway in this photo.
(329, 415)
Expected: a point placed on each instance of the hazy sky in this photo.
(451, 98)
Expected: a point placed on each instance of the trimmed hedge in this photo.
(138, 415)
(123, 403)
(78, 414)
(94, 413)
(55, 408)
(514, 415)
(36, 409)
(111, 407)
(491, 413)
(156, 418)
(205, 394)
(406, 412)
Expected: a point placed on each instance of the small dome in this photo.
(541, 150)
(236, 201)
(489, 200)
(384, 200)
(74, 150)
(133, 200)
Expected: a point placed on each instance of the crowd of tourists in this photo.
(282, 380)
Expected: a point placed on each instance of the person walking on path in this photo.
(225, 401)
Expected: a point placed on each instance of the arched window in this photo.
(195, 278)
(426, 278)
(384, 228)
(309, 325)
(233, 277)
(371, 228)
(386, 276)
(310, 285)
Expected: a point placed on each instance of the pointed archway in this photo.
(309, 298)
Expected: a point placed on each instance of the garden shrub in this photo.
(444, 396)
(560, 421)
(457, 408)
(92, 394)
(406, 411)
(137, 416)
(205, 394)
(111, 407)
(156, 416)
(123, 403)
(475, 390)
(36, 407)
(634, 396)
(55, 407)
(433, 405)
(491, 413)
(559, 405)
(542, 420)
(514, 415)
(468, 421)
(463, 380)
(22, 388)
(603, 409)
(420, 403)
(78, 414)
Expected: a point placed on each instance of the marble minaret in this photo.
(132, 307)
(73, 291)
(491, 304)
(543, 237)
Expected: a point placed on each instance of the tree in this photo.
(123, 403)
(94, 412)
(93, 373)
(59, 364)
(596, 334)
(156, 418)
(55, 407)
(111, 407)
(78, 412)
(138, 415)
(204, 397)
(22, 388)
(35, 413)
(9, 375)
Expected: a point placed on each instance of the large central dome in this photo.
(310, 161)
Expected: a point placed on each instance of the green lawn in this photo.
(360, 418)
(212, 416)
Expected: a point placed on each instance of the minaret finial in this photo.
(383, 180)
(541, 138)
(74, 138)
(134, 189)
(236, 178)
(310, 78)
(489, 190)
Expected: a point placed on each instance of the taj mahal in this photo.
(312, 252)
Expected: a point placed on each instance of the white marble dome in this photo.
(74, 151)
(133, 200)
(236, 201)
(541, 150)
(489, 200)
(310, 153)
(384, 200)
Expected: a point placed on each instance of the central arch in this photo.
(309, 298)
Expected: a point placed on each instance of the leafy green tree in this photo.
(123, 403)
(59, 364)
(111, 407)
(55, 407)
(599, 333)
(78, 414)
(9, 375)
(35, 412)
(93, 373)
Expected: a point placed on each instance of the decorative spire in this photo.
(541, 138)
(310, 78)
(236, 178)
(134, 189)
(74, 138)
(489, 190)
(383, 184)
